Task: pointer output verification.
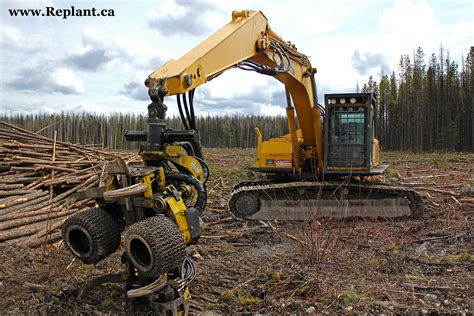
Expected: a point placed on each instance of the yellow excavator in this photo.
(320, 169)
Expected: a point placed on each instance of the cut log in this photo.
(32, 240)
(23, 205)
(34, 219)
(32, 163)
(22, 231)
(11, 186)
(14, 192)
(33, 195)
(23, 214)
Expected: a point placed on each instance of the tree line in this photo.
(426, 106)
(108, 130)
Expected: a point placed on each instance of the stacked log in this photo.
(37, 174)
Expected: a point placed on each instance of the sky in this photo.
(98, 64)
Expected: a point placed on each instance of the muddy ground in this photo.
(419, 264)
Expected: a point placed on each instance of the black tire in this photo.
(91, 235)
(244, 204)
(154, 246)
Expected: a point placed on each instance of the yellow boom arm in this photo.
(248, 42)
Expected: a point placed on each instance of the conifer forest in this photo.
(425, 106)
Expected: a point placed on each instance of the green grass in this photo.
(241, 296)
(349, 297)
(391, 173)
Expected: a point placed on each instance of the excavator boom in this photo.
(247, 42)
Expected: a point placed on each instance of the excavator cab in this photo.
(350, 146)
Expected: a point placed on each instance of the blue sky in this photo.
(98, 64)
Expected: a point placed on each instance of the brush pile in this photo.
(37, 174)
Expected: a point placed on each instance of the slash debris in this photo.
(419, 264)
(37, 174)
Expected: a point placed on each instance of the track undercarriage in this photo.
(302, 200)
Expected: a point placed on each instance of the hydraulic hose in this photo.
(181, 114)
(191, 108)
(186, 109)
(201, 190)
(205, 167)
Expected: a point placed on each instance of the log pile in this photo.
(37, 174)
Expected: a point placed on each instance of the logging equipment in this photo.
(153, 209)
(326, 167)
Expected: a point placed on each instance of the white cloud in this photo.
(48, 109)
(66, 80)
(11, 36)
(401, 28)
(90, 36)
(16, 40)
(367, 62)
(410, 24)
(26, 4)
(101, 50)
(182, 17)
(89, 59)
(46, 79)
(142, 54)
(272, 110)
(235, 83)
(90, 107)
(135, 88)
(408, 17)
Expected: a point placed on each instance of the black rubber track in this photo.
(103, 232)
(155, 245)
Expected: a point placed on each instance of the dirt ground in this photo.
(421, 264)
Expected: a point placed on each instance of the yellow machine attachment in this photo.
(156, 207)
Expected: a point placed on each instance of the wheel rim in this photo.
(79, 241)
(140, 253)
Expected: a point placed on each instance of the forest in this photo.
(426, 107)
(107, 130)
(423, 107)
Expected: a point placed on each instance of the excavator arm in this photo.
(247, 42)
